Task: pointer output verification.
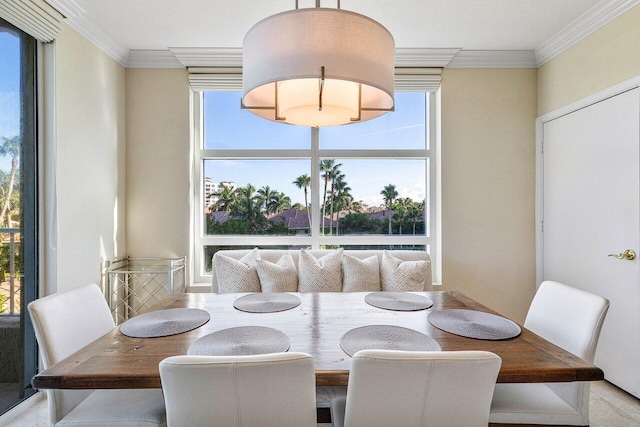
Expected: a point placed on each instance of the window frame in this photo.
(315, 240)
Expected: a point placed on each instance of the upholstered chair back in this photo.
(572, 319)
(64, 323)
(400, 388)
(270, 390)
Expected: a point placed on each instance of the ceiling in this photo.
(524, 30)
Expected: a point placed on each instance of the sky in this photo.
(228, 127)
(9, 90)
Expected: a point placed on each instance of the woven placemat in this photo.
(474, 324)
(267, 302)
(161, 323)
(398, 301)
(242, 340)
(386, 337)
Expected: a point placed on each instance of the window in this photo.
(271, 185)
(18, 213)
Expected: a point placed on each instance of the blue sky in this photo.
(9, 90)
(227, 126)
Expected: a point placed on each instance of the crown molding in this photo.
(494, 59)
(76, 19)
(153, 59)
(208, 56)
(595, 18)
(69, 8)
(424, 57)
(232, 57)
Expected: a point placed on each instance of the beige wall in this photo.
(90, 176)
(608, 56)
(488, 186)
(158, 163)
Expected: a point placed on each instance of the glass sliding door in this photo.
(18, 214)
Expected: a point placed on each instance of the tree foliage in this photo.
(249, 208)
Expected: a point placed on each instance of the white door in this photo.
(590, 210)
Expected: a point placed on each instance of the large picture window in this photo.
(270, 185)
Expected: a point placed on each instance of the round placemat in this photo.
(161, 323)
(398, 301)
(474, 324)
(386, 337)
(242, 340)
(267, 302)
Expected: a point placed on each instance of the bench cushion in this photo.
(273, 255)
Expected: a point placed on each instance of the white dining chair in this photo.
(64, 323)
(569, 318)
(267, 390)
(406, 388)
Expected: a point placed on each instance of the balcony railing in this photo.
(9, 286)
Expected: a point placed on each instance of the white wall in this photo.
(158, 163)
(90, 134)
(488, 186)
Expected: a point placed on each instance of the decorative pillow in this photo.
(360, 275)
(279, 277)
(320, 275)
(398, 275)
(237, 275)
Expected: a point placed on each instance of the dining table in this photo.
(315, 326)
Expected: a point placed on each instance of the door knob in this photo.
(628, 255)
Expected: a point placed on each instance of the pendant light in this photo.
(318, 67)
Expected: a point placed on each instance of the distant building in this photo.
(212, 191)
(294, 219)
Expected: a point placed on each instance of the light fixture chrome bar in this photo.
(275, 108)
(277, 116)
(361, 108)
(357, 119)
(321, 88)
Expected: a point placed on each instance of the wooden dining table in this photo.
(314, 327)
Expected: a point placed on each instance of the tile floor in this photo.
(610, 407)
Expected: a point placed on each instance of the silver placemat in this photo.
(267, 302)
(386, 337)
(398, 301)
(242, 340)
(161, 323)
(474, 324)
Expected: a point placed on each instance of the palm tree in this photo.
(326, 166)
(266, 196)
(389, 194)
(249, 207)
(414, 214)
(228, 197)
(304, 182)
(335, 175)
(343, 198)
(400, 208)
(356, 207)
(11, 147)
(280, 203)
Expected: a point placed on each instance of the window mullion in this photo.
(315, 188)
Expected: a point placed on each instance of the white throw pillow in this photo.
(279, 277)
(360, 275)
(237, 275)
(320, 275)
(398, 275)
